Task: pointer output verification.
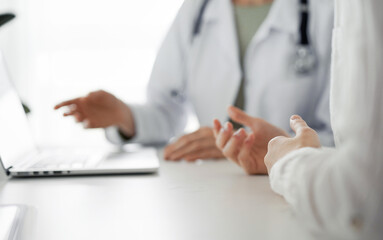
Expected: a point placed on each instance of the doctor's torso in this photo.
(273, 90)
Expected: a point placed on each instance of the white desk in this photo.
(212, 200)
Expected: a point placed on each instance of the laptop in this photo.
(11, 220)
(20, 156)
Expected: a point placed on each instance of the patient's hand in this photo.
(193, 146)
(100, 109)
(246, 149)
(280, 146)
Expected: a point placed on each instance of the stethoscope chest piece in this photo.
(305, 59)
(178, 95)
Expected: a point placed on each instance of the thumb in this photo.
(298, 125)
(240, 116)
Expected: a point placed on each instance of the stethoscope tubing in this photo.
(305, 58)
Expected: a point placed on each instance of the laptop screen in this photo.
(15, 136)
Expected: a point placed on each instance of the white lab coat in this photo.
(339, 191)
(204, 71)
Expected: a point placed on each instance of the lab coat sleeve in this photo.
(332, 190)
(164, 114)
(338, 191)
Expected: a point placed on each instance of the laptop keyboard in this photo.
(61, 162)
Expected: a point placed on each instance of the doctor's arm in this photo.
(164, 116)
(338, 192)
(333, 191)
(100, 109)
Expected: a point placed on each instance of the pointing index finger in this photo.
(240, 116)
(66, 103)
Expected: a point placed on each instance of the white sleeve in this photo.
(327, 189)
(164, 114)
(338, 192)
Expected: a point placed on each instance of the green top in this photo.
(248, 20)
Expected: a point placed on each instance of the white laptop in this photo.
(20, 157)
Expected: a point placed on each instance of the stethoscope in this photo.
(305, 60)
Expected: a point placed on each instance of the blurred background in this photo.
(56, 50)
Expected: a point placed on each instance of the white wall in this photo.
(14, 43)
(62, 49)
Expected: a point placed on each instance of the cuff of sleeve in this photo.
(144, 127)
(283, 169)
(114, 136)
(145, 118)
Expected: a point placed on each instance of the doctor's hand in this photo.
(191, 147)
(246, 149)
(280, 146)
(100, 109)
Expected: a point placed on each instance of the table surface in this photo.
(204, 200)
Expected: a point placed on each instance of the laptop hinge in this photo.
(3, 167)
(7, 170)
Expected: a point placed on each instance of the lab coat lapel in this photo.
(220, 14)
(283, 17)
(221, 11)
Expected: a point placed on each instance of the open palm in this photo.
(248, 150)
